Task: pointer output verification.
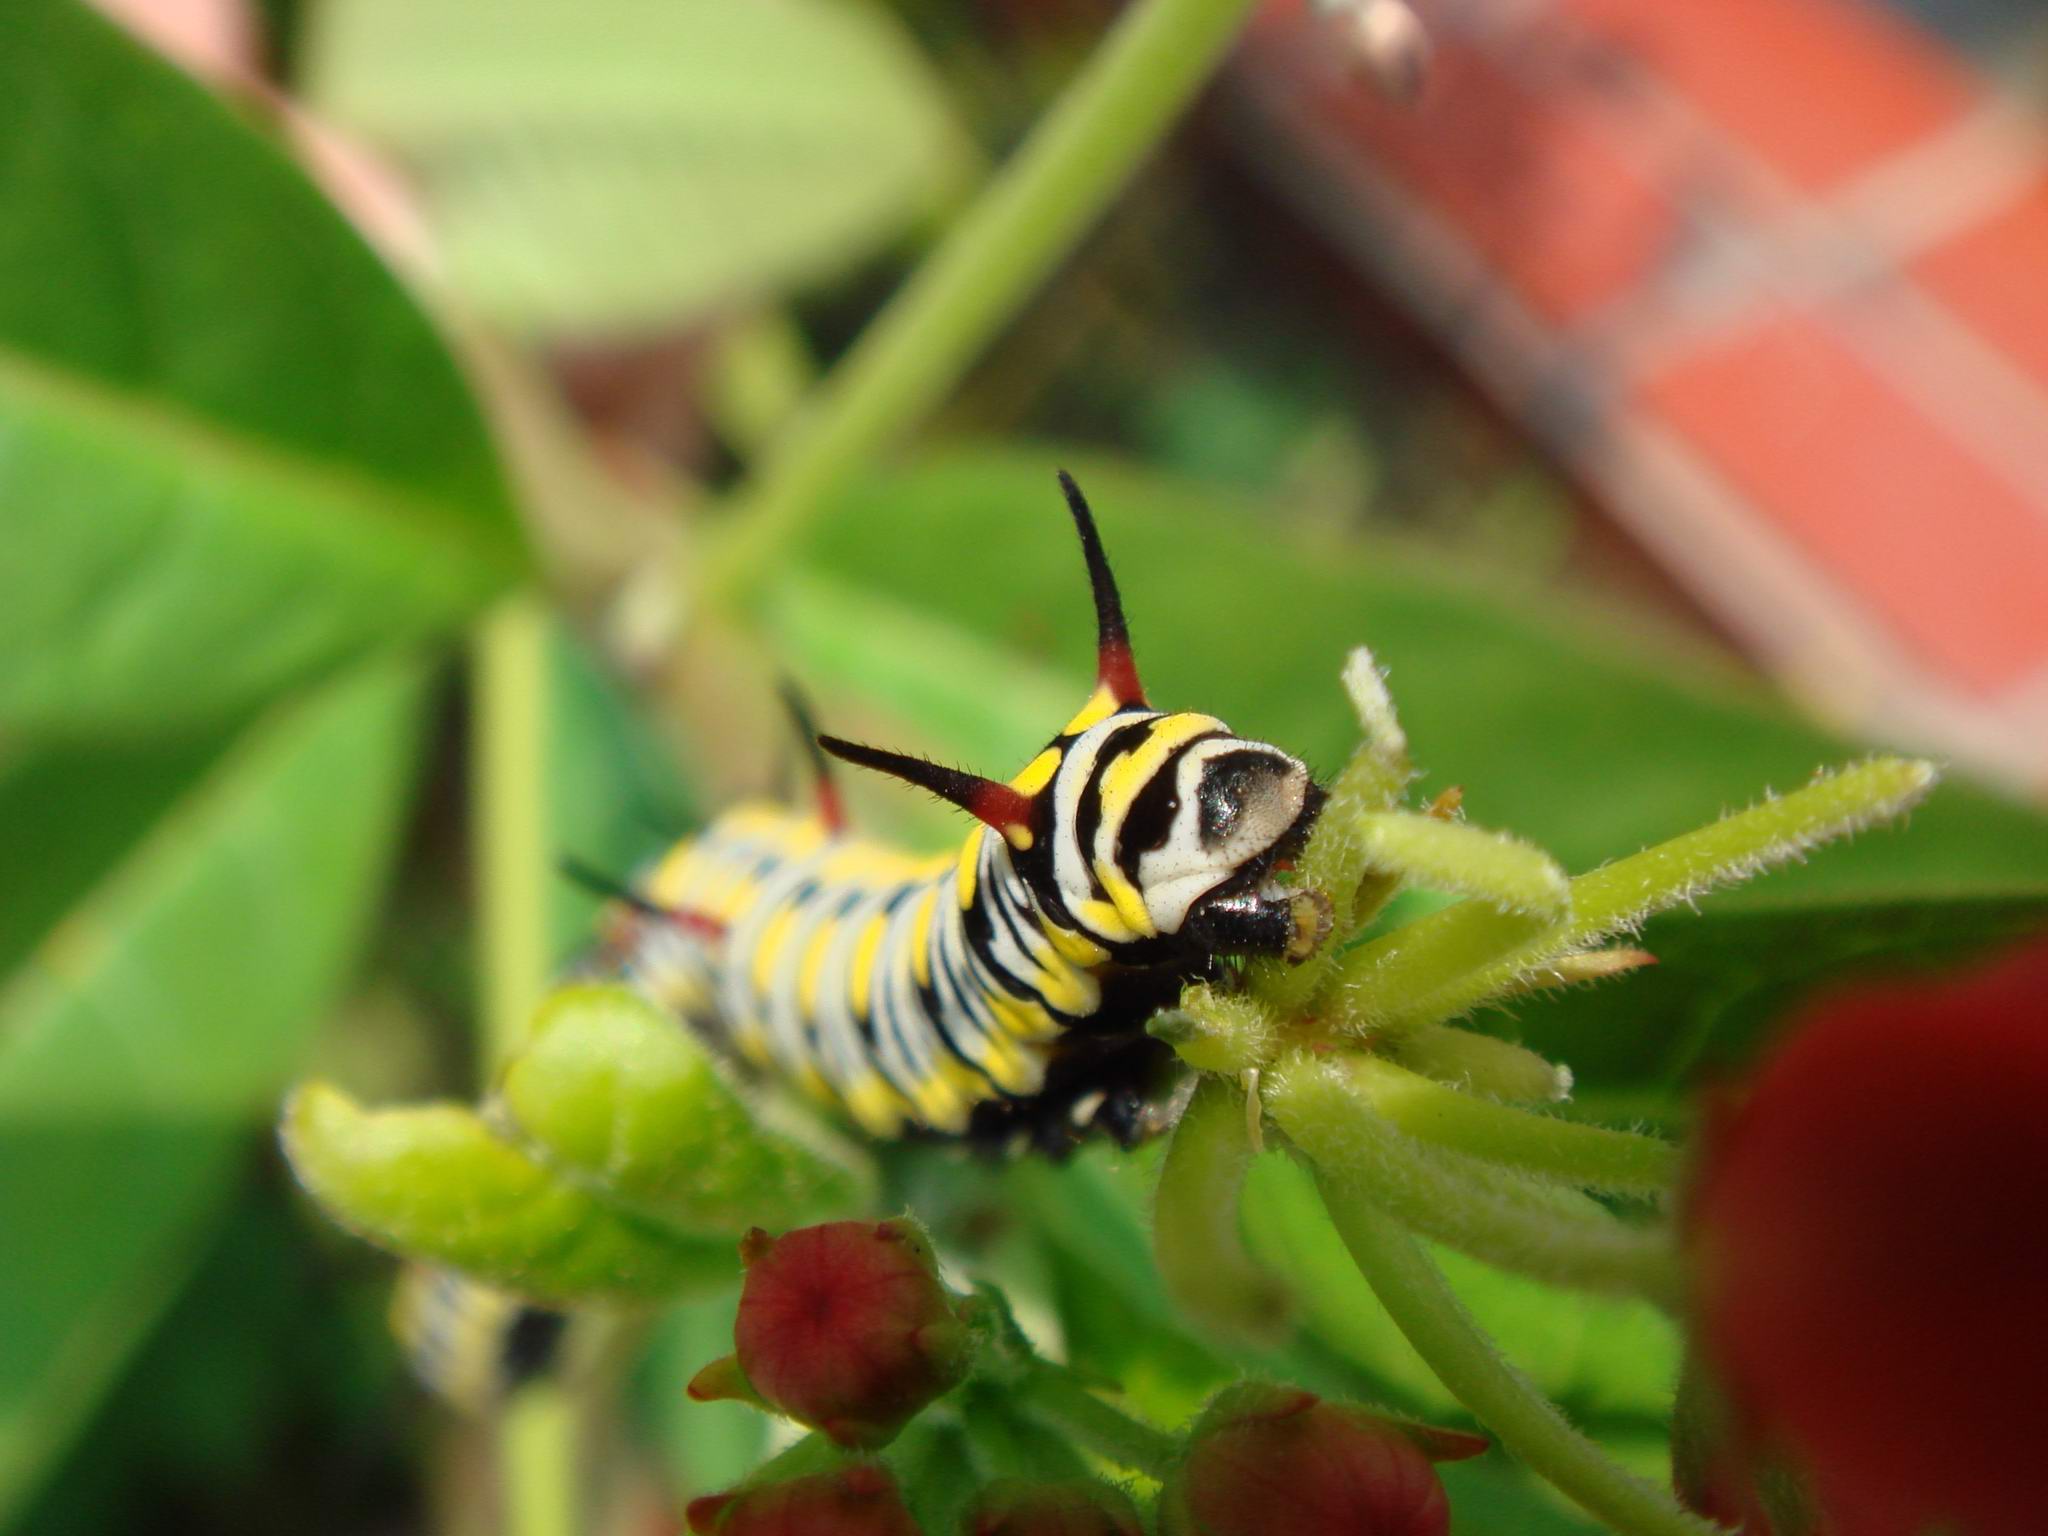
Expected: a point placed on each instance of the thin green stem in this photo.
(1020, 227)
(538, 1430)
(1508, 1219)
(1498, 1133)
(537, 1436)
(507, 835)
(1423, 1306)
(1055, 1396)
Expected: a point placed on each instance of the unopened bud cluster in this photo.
(847, 1328)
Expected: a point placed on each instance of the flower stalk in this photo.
(1423, 1306)
(1020, 227)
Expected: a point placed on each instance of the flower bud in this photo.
(1869, 1254)
(860, 1500)
(846, 1327)
(1082, 1507)
(1277, 1461)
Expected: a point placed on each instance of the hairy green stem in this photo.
(1481, 1064)
(1422, 1305)
(1450, 961)
(1512, 1220)
(1536, 1143)
(1020, 227)
(1055, 1396)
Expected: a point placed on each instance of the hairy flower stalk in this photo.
(1410, 1123)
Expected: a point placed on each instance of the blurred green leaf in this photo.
(232, 452)
(154, 1025)
(703, 1447)
(1724, 977)
(263, 1394)
(434, 1182)
(70, 813)
(615, 796)
(608, 1087)
(1580, 734)
(616, 164)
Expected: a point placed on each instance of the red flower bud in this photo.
(1080, 1508)
(1278, 1461)
(1870, 1252)
(853, 1501)
(846, 1327)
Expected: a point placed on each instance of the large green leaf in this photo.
(1575, 731)
(153, 1026)
(232, 452)
(615, 164)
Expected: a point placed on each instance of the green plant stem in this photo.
(1018, 229)
(1195, 1237)
(1536, 1143)
(1055, 1396)
(537, 1436)
(537, 1433)
(1422, 1305)
(1451, 961)
(509, 816)
(1517, 1222)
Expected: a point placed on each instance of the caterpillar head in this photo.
(1136, 826)
(1208, 829)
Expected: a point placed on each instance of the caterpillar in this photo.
(1002, 986)
(995, 992)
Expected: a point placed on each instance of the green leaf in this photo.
(232, 452)
(614, 795)
(608, 1086)
(68, 815)
(153, 1026)
(1725, 977)
(617, 164)
(434, 1182)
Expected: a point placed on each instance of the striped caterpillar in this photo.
(996, 992)
(1003, 987)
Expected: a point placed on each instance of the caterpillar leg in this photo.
(1118, 1085)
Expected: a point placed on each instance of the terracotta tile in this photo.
(1819, 89)
(1995, 277)
(1912, 526)
(1534, 187)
